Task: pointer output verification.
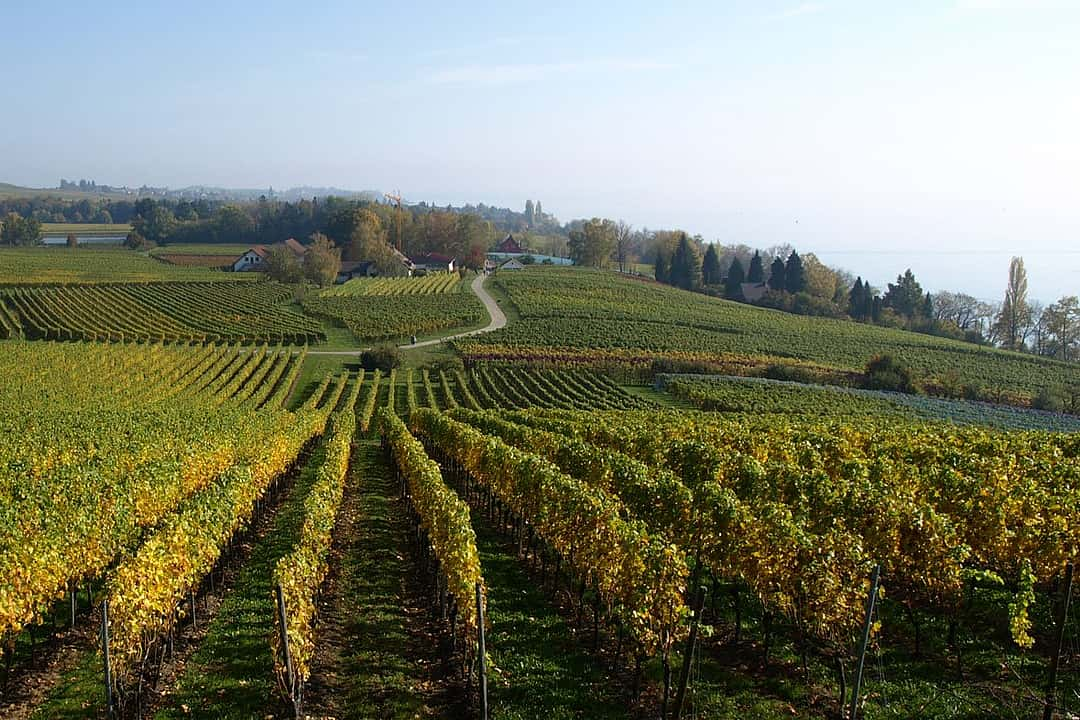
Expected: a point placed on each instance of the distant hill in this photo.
(192, 192)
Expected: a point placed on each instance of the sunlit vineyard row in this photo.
(395, 317)
(800, 511)
(86, 265)
(157, 312)
(430, 284)
(107, 445)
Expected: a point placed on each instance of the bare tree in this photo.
(624, 239)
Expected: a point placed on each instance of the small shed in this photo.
(512, 264)
(752, 292)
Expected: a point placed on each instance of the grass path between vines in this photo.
(540, 669)
(377, 645)
(231, 674)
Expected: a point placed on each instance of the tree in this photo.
(756, 273)
(593, 244)
(777, 280)
(906, 296)
(821, 280)
(158, 225)
(1015, 316)
(21, 231)
(794, 274)
(539, 212)
(72, 241)
(530, 213)
(662, 268)
(322, 262)
(710, 266)
(135, 241)
(624, 239)
(282, 265)
(1061, 321)
(686, 265)
(735, 278)
(233, 224)
(860, 302)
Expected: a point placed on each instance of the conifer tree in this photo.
(794, 274)
(710, 267)
(776, 276)
(756, 273)
(735, 278)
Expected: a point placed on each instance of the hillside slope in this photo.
(576, 313)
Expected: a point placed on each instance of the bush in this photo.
(526, 260)
(884, 372)
(1052, 399)
(791, 373)
(383, 357)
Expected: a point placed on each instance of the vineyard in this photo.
(761, 396)
(157, 312)
(391, 315)
(576, 315)
(431, 284)
(85, 265)
(162, 454)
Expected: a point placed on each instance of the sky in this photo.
(942, 136)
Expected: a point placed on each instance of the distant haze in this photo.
(940, 135)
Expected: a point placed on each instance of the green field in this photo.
(597, 316)
(83, 229)
(86, 265)
(201, 249)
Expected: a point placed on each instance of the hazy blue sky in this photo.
(933, 128)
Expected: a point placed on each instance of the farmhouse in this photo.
(355, 268)
(254, 260)
(432, 262)
(510, 246)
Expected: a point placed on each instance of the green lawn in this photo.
(84, 229)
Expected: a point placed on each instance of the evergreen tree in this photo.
(662, 271)
(710, 266)
(539, 215)
(530, 212)
(735, 278)
(875, 308)
(686, 265)
(756, 273)
(794, 274)
(906, 296)
(776, 277)
(855, 300)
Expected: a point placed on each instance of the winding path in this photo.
(498, 320)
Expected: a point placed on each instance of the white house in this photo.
(432, 262)
(254, 260)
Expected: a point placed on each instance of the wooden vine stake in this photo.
(1051, 686)
(483, 653)
(284, 629)
(110, 707)
(688, 659)
(875, 580)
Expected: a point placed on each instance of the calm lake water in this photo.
(85, 240)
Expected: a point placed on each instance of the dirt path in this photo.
(377, 648)
(498, 321)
